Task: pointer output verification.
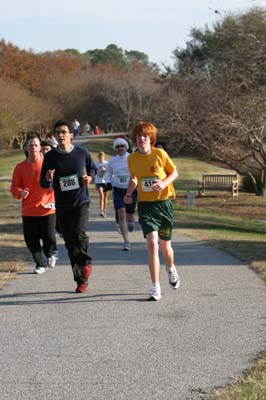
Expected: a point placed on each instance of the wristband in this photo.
(128, 195)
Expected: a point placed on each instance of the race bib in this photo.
(69, 183)
(49, 205)
(147, 182)
(123, 179)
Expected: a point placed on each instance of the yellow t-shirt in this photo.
(148, 167)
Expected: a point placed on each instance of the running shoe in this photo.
(39, 270)
(85, 271)
(126, 246)
(130, 226)
(81, 288)
(102, 214)
(52, 261)
(174, 280)
(154, 294)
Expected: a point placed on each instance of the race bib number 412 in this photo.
(147, 182)
(69, 183)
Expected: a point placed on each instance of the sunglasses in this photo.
(120, 145)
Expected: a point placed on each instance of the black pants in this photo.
(74, 224)
(39, 235)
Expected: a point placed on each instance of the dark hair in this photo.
(63, 122)
(46, 143)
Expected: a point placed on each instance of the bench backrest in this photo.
(218, 180)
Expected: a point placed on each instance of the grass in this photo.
(252, 386)
(232, 224)
(9, 158)
(13, 254)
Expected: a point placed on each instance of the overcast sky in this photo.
(155, 27)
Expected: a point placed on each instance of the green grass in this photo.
(9, 159)
(190, 171)
(104, 145)
(201, 219)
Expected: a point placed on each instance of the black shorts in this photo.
(118, 200)
(103, 185)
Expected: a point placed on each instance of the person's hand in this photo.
(158, 186)
(49, 175)
(24, 193)
(127, 199)
(86, 179)
(108, 187)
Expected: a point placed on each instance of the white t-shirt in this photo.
(117, 171)
(100, 174)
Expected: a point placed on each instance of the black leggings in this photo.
(74, 223)
(39, 235)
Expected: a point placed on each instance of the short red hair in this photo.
(146, 129)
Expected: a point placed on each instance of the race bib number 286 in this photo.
(69, 183)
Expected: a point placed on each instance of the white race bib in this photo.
(147, 182)
(123, 179)
(69, 183)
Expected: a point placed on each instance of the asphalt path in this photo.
(110, 343)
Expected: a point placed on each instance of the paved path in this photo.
(111, 344)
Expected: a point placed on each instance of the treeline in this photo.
(35, 89)
(212, 101)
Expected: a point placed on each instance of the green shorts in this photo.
(156, 216)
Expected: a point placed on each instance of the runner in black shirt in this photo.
(68, 168)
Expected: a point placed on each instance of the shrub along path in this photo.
(110, 343)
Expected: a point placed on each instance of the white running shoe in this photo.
(39, 270)
(155, 294)
(52, 261)
(174, 280)
(126, 246)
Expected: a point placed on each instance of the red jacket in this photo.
(40, 202)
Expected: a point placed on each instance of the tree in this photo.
(222, 77)
(135, 55)
(21, 112)
(133, 91)
(112, 55)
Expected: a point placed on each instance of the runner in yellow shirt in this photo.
(152, 170)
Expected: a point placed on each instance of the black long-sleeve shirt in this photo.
(69, 168)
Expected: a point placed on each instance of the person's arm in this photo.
(16, 185)
(132, 184)
(160, 185)
(90, 171)
(108, 173)
(47, 175)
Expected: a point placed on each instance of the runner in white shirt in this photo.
(100, 182)
(117, 178)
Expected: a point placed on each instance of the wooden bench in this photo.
(218, 182)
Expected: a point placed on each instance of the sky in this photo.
(155, 27)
